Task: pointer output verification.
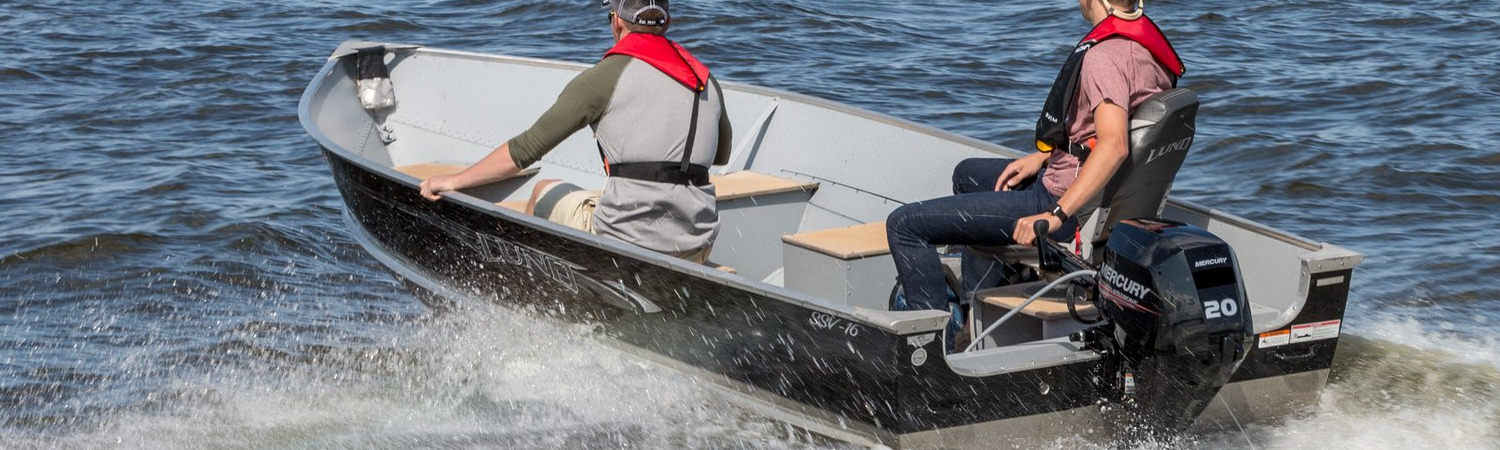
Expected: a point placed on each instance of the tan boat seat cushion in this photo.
(859, 241)
(1052, 306)
(425, 171)
(517, 206)
(745, 184)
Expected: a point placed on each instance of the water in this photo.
(174, 271)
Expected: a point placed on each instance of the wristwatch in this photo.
(1057, 211)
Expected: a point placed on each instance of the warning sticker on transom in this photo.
(1315, 331)
(1275, 338)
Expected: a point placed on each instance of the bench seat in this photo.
(1051, 306)
(1045, 318)
(746, 184)
(517, 206)
(425, 171)
(853, 242)
(755, 211)
(848, 265)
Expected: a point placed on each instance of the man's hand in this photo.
(1025, 233)
(496, 166)
(433, 188)
(1020, 170)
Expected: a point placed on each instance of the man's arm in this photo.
(1110, 150)
(726, 133)
(582, 102)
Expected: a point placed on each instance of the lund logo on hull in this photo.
(550, 267)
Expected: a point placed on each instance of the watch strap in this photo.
(1057, 211)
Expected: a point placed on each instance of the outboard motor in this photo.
(1178, 320)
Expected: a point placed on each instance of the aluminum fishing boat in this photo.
(1189, 318)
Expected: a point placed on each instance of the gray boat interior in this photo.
(835, 170)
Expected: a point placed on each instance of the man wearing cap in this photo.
(660, 121)
(1122, 62)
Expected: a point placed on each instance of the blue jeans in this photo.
(975, 215)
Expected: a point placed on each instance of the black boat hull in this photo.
(823, 358)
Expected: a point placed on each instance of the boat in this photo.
(801, 325)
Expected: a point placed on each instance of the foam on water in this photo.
(491, 377)
(475, 377)
(1388, 395)
(1430, 390)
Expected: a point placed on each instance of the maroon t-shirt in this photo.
(1119, 71)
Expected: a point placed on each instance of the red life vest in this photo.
(1057, 113)
(666, 56)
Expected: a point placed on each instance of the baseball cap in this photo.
(631, 11)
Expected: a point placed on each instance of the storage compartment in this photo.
(849, 265)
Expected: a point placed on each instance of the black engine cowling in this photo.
(1179, 320)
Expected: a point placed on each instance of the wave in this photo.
(482, 376)
(86, 247)
(485, 375)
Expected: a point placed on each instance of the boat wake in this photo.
(484, 377)
(487, 376)
(1402, 386)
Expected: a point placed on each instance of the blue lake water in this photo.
(174, 271)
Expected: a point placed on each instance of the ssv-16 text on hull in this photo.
(1201, 318)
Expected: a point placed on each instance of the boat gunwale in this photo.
(908, 125)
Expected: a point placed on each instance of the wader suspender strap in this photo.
(687, 152)
(686, 172)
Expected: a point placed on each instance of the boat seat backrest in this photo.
(1161, 131)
